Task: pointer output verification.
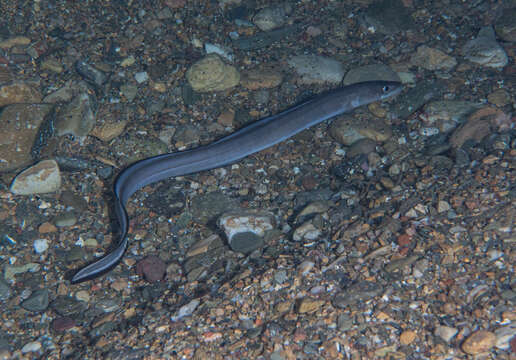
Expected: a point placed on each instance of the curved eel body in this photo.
(246, 141)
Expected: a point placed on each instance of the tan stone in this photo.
(479, 342)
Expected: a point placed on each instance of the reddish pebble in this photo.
(63, 323)
(152, 268)
(404, 240)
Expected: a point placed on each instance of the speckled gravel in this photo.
(387, 234)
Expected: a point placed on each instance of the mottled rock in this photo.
(152, 268)
(446, 115)
(504, 335)
(309, 305)
(209, 206)
(347, 129)
(479, 125)
(479, 342)
(432, 59)
(186, 310)
(19, 93)
(38, 301)
(10, 271)
(14, 41)
(20, 125)
(77, 117)
(370, 73)
(359, 292)
(62, 324)
(484, 50)
(212, 74)
(505, 26)
(44, 177)
(388, 17)
(315, 69)
(272, 17)
(445, 332)
(248, 221)
(307, 231)
(261, 79)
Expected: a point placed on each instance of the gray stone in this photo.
(38, 301)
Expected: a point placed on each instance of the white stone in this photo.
(31, 347)
(40, 245)
(44, 177)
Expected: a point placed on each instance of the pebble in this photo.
(14, 41)
(273, 17)
(432, 59)
(152, 268)
(10, 271)
(244, 222)
(485, 50)
(305, 267)
(315, 207)
(255, 79)
(316, 69)
(407, 337)
(20, 130)
(65, 219)
(90, 73)
(309, 305)
(446, 115)
(307, 231)
(479, 342)
(82, 295)
(225, 52)
(62, 324)
(370, 73)
(477, 126)
(357, 293)
(19, 92)
(212, 74)
(33, 346)
(446, 332)
(44, 177)
(40, 245)
(141, 77)
(68, 306)
(5, 290)
(38, 301)
(505, 25)
(504, 335)
(186, 310)
(347, 130)
(47, 228)
(76, 118)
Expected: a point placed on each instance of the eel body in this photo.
(259, 135)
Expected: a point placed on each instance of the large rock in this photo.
(20, 124)
(44, 177)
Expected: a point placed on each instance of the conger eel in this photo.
(246, 141)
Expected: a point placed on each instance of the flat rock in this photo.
(370, 73)
(347, 129)
(20, 125)
(19, 92)
(212, 74)
(270, 18)
(432, 59)
(44, 177)
(261, 79)
(77, 117)
(485, 51)
(505, 26)
(479, 342)
(315, 69)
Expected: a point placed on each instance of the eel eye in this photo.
(386, 88)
